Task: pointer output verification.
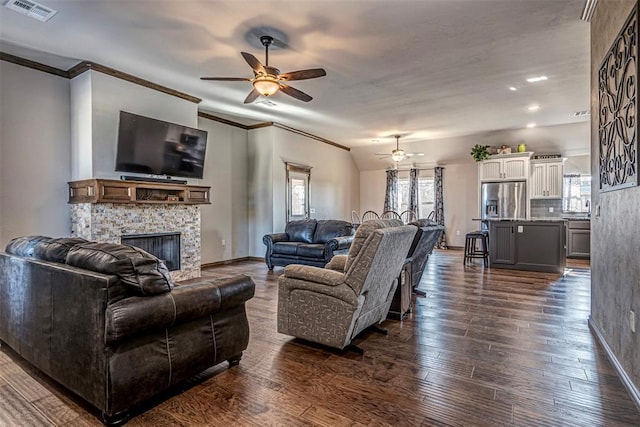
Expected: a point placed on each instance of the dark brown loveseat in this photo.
(309, 242)
(106, 321)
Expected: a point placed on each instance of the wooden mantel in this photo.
(97, 190)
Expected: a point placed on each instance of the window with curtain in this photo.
(576, 193)
(425, 195)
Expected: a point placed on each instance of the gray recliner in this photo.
(332, 305)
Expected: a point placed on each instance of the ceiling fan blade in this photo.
(311, 73)
(253, 62)
(297, 94)
(251, 97)
(226, 79)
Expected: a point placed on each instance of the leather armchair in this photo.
(332, 306)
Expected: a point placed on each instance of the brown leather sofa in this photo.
(309, 242)
(107, 322)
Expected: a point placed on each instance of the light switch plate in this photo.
(520, 229)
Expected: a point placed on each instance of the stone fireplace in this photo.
(105, 210)
(109, 222)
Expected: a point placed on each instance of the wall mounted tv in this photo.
(151, 146)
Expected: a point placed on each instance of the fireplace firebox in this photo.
(165, 246)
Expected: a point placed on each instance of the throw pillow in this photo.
(24, 246)
(142, 272)
(56, 250)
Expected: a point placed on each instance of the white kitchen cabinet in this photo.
(546, 179)
(505, 167)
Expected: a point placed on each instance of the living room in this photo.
(57, 129)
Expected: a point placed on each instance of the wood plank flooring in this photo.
(485, 347)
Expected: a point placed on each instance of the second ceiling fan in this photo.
(268, 80)
(398, 154)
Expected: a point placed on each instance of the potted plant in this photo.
(480, 152)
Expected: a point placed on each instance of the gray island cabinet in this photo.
(533, 245)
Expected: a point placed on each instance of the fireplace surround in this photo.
(97, 216)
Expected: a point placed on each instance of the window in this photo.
(576, 193)
(426, 195)
(297, 191)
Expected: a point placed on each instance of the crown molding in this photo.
(87, 65)
(33, 65)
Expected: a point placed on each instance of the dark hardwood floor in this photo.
(484, 347)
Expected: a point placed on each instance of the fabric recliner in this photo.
(332, 305)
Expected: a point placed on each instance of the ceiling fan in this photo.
(268, 80)
(398, 154)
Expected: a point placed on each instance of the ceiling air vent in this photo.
(581, 113)
(31, 9)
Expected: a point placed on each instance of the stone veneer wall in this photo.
(107, 222)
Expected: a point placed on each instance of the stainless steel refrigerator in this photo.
(504, 200)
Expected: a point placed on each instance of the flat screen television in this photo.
(155, 147)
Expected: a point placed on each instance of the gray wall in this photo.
(97, 99)
(334, 185)
(615, 234)
(226, 218)
(35, 156)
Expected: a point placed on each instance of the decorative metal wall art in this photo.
(618, 108)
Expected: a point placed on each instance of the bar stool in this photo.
(470, 246)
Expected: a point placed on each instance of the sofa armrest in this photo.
(135, 315)
(340, 243)
(336, 244)
(337, 263)
(270, 239)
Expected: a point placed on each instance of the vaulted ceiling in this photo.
(430, 70)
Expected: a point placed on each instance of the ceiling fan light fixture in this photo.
(266, 85)
(398, 155)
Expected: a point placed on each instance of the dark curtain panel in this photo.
(413, 191)
(391, 196)
(439, 203)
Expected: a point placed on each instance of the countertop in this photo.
(541, 219)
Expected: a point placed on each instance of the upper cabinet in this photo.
(546, 179)
(505, 167)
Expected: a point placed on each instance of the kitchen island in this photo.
(533, 245)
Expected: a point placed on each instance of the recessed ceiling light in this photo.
(536, 79)
(513, 88)
(533, 107)
(531, 125)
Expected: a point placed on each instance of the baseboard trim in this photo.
(628, 384)
(230, 261)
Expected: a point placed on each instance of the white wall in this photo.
(372, 190)
(333, 187)
(35, 151)
(461, 203)
(260, 176)
(108, 95)
(578, 164)
(460, 189)
(226, 218)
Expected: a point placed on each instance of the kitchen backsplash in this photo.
(540, 208)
